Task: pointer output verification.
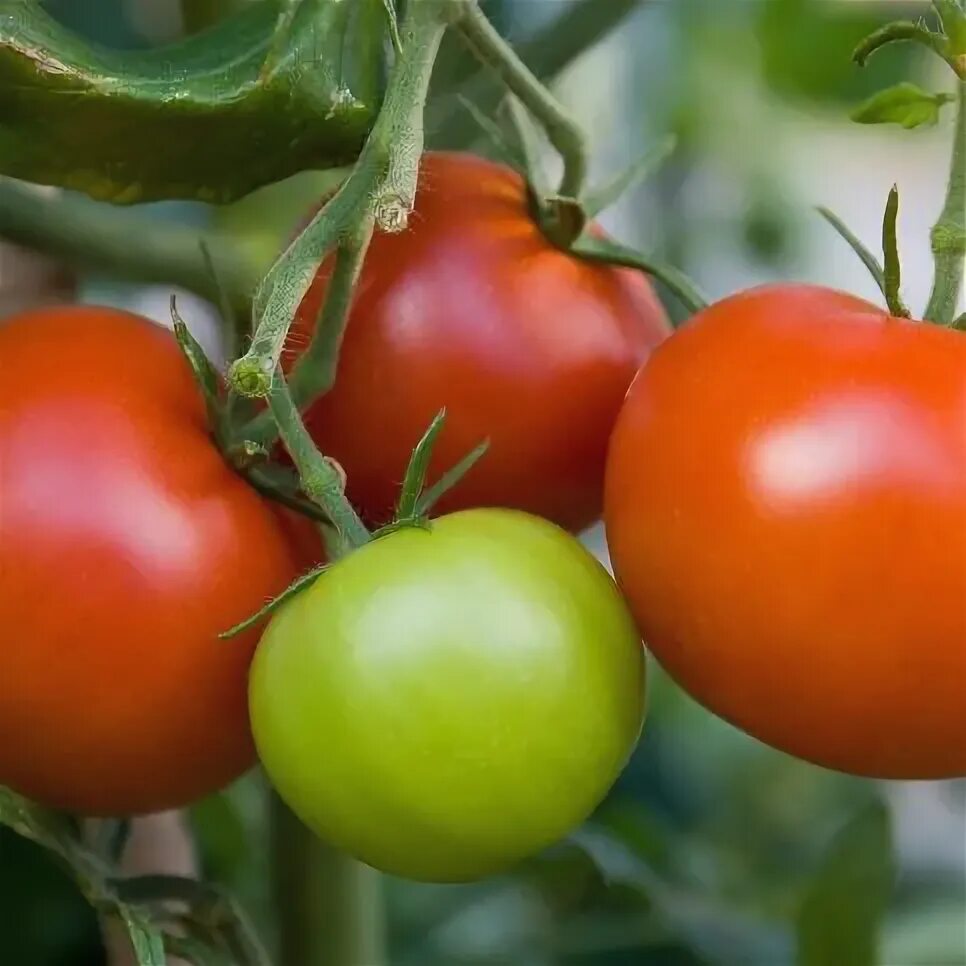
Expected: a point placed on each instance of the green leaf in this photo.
(415, 477)
(613, 253)
(905, 104)
(641, 169)
(205, 118)
(433, 494)
(206, 378)
(856, 244)
(840, 916)
(146, 939)
(293, 589)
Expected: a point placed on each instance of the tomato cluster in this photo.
(785, 505)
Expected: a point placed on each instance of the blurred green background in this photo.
(712, 849)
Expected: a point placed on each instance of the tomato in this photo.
(443, 702)
(126, 545)
(786, 513)
(473, 309)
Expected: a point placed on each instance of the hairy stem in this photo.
(564, 132)
(322, 479)
(382, 187)
(949, 232)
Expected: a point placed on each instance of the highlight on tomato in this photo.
(786, 515)
(128, 545)
(474, 310)
(449, 699)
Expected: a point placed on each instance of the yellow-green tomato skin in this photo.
(446, 701)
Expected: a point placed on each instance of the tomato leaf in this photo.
(715, 931)
(638, 171)
(415, 477)
(855, 243)
(146, 939)
(840, 916)
(905, 104)
(205, 375)
(613, 253)
(294, 588)
(449, 479)
(208, 118)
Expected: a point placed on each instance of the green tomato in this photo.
(446, 701)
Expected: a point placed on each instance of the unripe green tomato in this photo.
(446, 701)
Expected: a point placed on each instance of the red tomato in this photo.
(473, 309)
(786, 511)
(126, 545)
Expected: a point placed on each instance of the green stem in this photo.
(564, 132)
(322, 479)
(579, 26)
(314, 373)
(892, 271)
(331, 904)
(382, 187)
(613, 253)
(121, 240)
(949, 232)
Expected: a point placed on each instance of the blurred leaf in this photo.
(221, 835)
(718, 932)
(841, 914)
(146, 940)
(904, 104)
(806, 48)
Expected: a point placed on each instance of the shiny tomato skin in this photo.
(444, 702)
(126, 545)
(471, 308)
(786, 514)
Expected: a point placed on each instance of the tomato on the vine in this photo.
(786, 513)
(445, 701)
(126, 545)
(473, 309)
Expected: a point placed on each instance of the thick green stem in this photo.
(382, 187)
(331, 905)
(314, 373)
(123, 240)
(949, 233)
(564, 132)
(322, 479)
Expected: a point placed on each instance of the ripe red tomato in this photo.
(786, 512)
(473, 309)
(126, 545)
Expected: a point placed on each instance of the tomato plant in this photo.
(446, 701)
(474, 309)
(786, 511)
(128, 545)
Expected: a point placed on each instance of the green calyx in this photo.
(232, 108)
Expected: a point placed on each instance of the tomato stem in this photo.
(892, 272)
(949, 233)
(330, 904)
(314, 373)
(613, 253)
(564, 132)
(127, 242)
(322, 480)
(381, 190)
